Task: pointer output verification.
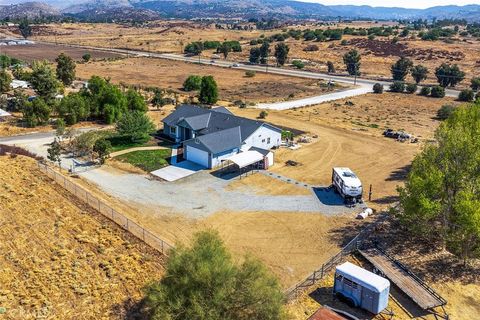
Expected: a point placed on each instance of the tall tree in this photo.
(225, 48)
(264, 52)
(135, 101)
(158, 99)
(208, 90)
(136, 125)
(254, 55)
(65, 69)
(419, 73)
(281, 53)
(5, 81)
(401, 68)
(54, 152)
(43, 79)
(449, 75)
(440, 200)
(475, 84)
(352, 62)
(330, 67)
(25, 28)
(203, 282)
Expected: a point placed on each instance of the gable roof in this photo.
(217, 142)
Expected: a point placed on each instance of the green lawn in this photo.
(148, 160)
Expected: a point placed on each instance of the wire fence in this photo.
(107, 211)
(317, 275)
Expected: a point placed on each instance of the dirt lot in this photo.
(61, 260)
(233, 84)
(261, 184)
(50, 52)
(378, 54)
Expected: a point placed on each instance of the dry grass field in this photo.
(378, 54)
(60, 259)
(233, 84)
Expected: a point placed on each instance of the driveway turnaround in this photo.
(177, 171)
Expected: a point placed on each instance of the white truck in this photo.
(347, 184)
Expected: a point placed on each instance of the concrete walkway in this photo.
(119, 153)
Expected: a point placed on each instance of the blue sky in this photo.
(395, 3)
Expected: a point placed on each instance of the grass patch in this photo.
(147, 160)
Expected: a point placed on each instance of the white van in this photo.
(347, 184)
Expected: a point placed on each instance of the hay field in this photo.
(60, 259)
(233, 84)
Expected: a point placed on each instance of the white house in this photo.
(211, 136)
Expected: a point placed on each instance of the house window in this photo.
(268, 140)
(173, 130)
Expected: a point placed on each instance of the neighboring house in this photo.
(210, 136)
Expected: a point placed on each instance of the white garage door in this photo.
(198, 156)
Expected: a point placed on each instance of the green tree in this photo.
(54, 152)
(352, 62)
(298, 64)
(43, 79)
(419, 73)
(60, 128)
(264, 52)
(225, 48)
(397, 86)
(208, 90)
(65, 69)
(192, 83)
(73, 108)
(440, 200)
(378, 88)
(36, 112)
(475, 84)
(136, 125)
(102, 148)
(136, 101)
(438, 92)
(449, 75)
(203, 282)
(281, 53)
(445, 112)
(466, 95)
(25, 28)
(158, 99)
(5, 81)
(194, 48)
(87, 57)
(330, 67)
(401, 68)
(254, 55)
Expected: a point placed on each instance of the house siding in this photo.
(260, 138)
(216, 159)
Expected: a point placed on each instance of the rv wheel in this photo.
(350, 302)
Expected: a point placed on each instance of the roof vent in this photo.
(197, 141)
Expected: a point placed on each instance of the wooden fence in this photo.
(103, 208)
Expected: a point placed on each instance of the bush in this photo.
(466, 95)
(445, 111)
(397, 86)
(411, 88)
(136, 125)
(263, 114)
(425, 91)
(378, 88)
(86, 57)
(298, 64)
(311, 47)
(192, 83)
(250, 74)
(438, 92)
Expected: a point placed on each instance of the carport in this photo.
(244, 162)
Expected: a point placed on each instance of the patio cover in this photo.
(246, 158)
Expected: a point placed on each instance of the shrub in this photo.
(86, 57)
(298, 64)
(378, 88)
(445, 111)
(425, 91)
(411, 88)
(475, 84)
(311, 47)
(136, 125)
(250, 74)
(397, 86)
(192, 83)
(466, 95)
(263, 114)
(438, 92)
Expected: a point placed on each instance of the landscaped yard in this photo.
(147, 160)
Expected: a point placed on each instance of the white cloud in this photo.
(395, 3)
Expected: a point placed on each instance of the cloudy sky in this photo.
(396, 3)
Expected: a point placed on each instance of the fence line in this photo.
(83, 195)
(318, 274)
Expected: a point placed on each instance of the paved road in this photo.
(362, 82)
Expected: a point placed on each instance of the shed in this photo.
(361, 288)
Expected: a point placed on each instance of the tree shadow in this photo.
(131, 310)
(400, 174)
(386, 200)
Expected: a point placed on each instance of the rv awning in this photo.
(246, 158)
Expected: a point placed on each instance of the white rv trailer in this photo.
(347, 184)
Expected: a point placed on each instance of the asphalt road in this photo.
(362, 82)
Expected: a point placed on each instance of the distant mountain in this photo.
(152, 9)
(28, 9)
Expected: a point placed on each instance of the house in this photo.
(211, 136)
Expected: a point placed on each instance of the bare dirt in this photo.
(233, 84)
(261, 184)
(60, 259)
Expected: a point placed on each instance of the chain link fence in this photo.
(107, 211)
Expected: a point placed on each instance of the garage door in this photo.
(197, 156)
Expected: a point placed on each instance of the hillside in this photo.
(28, 9)
(60, 259)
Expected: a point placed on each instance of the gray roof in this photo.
(260, 150)
(217, 142)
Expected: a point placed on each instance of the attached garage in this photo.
(197, 156)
